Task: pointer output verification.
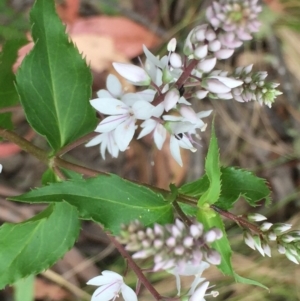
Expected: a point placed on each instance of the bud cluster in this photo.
(171, 245)
(288, 242)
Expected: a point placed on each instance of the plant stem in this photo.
(76, 143)
(237, 219)
(25, 145)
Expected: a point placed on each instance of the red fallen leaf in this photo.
(128, 36)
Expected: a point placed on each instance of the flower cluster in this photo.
(288, 242)
(164, 109)
(172, 245)
(110, 285)
(235, 20)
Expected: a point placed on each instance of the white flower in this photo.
(122, 119)
(111, 284)
(189, 269)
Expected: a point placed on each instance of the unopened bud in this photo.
(256, 217)
(175, 60)
(213, 257)
(172, 45)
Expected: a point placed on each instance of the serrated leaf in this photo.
(235, 183)
(210, 220)
(32, 246)
(8, 93)
(109, 200)
(239, 182)
(54, 81)
(213, 173)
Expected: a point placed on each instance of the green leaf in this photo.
(54, 81)
(50, 177)
(8, 93)
(239, 182)
(212, 168)
(210, 219)
(235, 183)
(34, 245)
(109, 200)
(196, 188)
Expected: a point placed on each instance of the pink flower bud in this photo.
(224, 54)
(207, 65)
(201, 52)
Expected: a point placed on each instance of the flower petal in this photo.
(114, 86)
(110, 123)
(175, 150)
(142, 109)
(124, 133)
(133, 73)
(200, 292)
(160, 135)
(128, 293)
(109, 106)
(106, 292)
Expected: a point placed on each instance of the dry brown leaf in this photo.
(127, 35)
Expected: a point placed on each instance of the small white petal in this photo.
(109, 106)
(175, 150)
(114, 86)
(105, 292)
(106, 277)
(200, 292)
(160, 135)
(128, 293)
(151, 57)
(133, 73)
(124, 133)
(142, 109)
(104, 94)
(110, 123)
(148, 126)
